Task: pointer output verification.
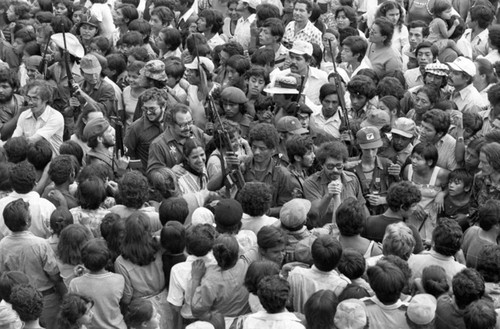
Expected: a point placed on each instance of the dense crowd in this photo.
(250, 164)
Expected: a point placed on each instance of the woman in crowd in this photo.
(231, 20)
(424, 101)
(87, 29)
(395, 13)
(69, 256)
(383, 58)
(192, 173)
(487, 183)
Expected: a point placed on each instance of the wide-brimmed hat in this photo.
(90, 64)
(74, 46)
(154, 70)
(286, 85)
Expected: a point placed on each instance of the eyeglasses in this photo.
(331, 166)
(185, 124)
(150, 109)
(32, 98)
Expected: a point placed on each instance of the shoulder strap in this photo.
(434, 176)
(410, 173)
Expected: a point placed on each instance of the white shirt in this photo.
(40, 210)
(468, 99)
(330, 126)
(414, 77)
(480, 43)
(242, 31)
(315, 79)
(264, 320)
(49, 125)
(102, 12)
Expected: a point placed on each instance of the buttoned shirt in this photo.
(32, 255)
(414, 78)
(487, 122)
(166, 150)
(321, 125)
(446, 151)
(139, 137)
(316, 187)
(480, 43)
(49, 125)
(242, 31)
(309, 33)
(468, 99)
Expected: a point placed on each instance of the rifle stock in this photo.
(118, 125)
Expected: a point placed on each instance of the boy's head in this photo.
(173, 237)
(59, 219)
(174, 68)
(62, 169)
(271, 241)
(447, 237)
(352, 264)
(16, 149)
(39, 154)
(480, 314)
(173, 209)
(434, 280)
(200, 239)
(273, 293)
(17, 215)
(27, 302)
(387, 281)
(468, 286)
(350, 217)
(460, 182)
(95, 255)
(326, 253)
(255, 198)
(402, 196)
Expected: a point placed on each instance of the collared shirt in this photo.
(179, 290)
(254, 224)
(480, 43)
(215, 41)
(315, 80)
(282, 320)
(306, 281)
(49, 125)
(222, 291)
(418, 262)
(468, 99)
(446, 151)
(277, 177)
(103, 94)
(166, 150)
(321, 125)
(316, 187)
(309, 33)
(32, 255)
(493, 56)
(242, 31)
(40, 210)
(139, 137)
(383, 316)
(487, 122)
(280, 56)
(484, 95)
(414, 78)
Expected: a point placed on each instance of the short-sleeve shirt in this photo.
(49, 125)
(309, 33)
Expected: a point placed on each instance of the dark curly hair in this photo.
(447, 237)
(350, 217)
(16, 149)
(258, 270)
(133, 189)
(438, 119)
(255, 198)
(298, 145)
(61, 168)
(402, 195)
(335, 149)
(23, 177)
(468, 286)
(273, 293)
(264, 132)
(91, 193)
(362, 85)
(73, 307)
(390, 86)
(27, 302)
(488, 263)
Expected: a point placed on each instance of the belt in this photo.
(49, 291)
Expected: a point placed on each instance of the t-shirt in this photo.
(472, 245)
(448, 315)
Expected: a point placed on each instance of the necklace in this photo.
(427, 7)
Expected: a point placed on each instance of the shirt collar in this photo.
(44, 116)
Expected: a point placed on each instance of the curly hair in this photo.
(350, 217)
(398, 240)
(61, 168)
(402, 195)
(264, 132)
(27, 302)
(133, 189)
(488, 263)
(257, 271)
(71, 241)
(73, 307)
(273, 292)
(386, 29)
(23, 177)
(336, 150)
(468, 286)
(362, 85)
(16, 149)
(298, 145)
(8, 280)
(225, 251)
(255, 198)
(447, 237)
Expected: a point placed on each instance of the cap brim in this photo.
(299, 131)
(401, 132)
(298, 52)
(455, 67)
(191, 66)
(93, 70)
(279, 90)
(371, 145)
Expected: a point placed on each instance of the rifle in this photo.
(118, 125)
(42, 67)
(69, 74)
(234, 177)
(348, 137)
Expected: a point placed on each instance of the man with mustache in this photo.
(403, 133)
(300, 58)
(465, 95)
(10, 103)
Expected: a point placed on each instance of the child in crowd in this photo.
(352, 264)
(174, 68)
(456, 203)
(142, 314)
(173, 241)
(69, 250)
(104, 288)
(60, 218)
(76, 312)
(438, 28)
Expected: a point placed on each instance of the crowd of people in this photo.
(244, 164)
